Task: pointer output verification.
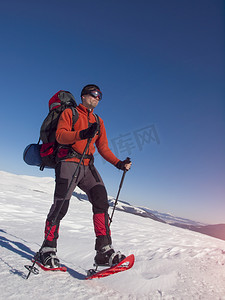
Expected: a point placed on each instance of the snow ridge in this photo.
(171, 263)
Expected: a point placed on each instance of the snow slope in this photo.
(171, 263)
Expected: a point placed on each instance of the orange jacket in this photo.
(65, 136)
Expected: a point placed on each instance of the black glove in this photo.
(89, 132)
(121, 164)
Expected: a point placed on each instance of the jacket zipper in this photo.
(88, 117)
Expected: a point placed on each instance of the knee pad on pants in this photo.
(99, 199)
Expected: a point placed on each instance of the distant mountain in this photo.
(128, 208)
(170, 219)
(152, 214)
(217, 230)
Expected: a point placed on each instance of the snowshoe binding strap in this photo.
(116, 258)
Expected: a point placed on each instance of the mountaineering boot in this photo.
(106, 256)
(48, 258)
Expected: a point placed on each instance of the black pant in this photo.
(88, 180)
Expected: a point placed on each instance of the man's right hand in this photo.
(90, 132)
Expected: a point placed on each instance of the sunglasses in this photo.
(95, 94)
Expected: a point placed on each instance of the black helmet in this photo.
(88, 88)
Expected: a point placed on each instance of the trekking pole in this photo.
(117, 197)
(32, 268)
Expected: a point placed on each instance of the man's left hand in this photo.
(124, 165)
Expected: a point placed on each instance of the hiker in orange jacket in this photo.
(65, 136)
(88, 126)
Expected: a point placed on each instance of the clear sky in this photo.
(160, 65)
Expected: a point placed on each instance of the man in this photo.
(88, 126)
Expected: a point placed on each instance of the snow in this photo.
(171, 262)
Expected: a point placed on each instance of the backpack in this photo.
(50, 151)
(57, 104)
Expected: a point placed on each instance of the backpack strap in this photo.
(98, 122)
(74, 117)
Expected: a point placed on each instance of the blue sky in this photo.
(160, 65)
